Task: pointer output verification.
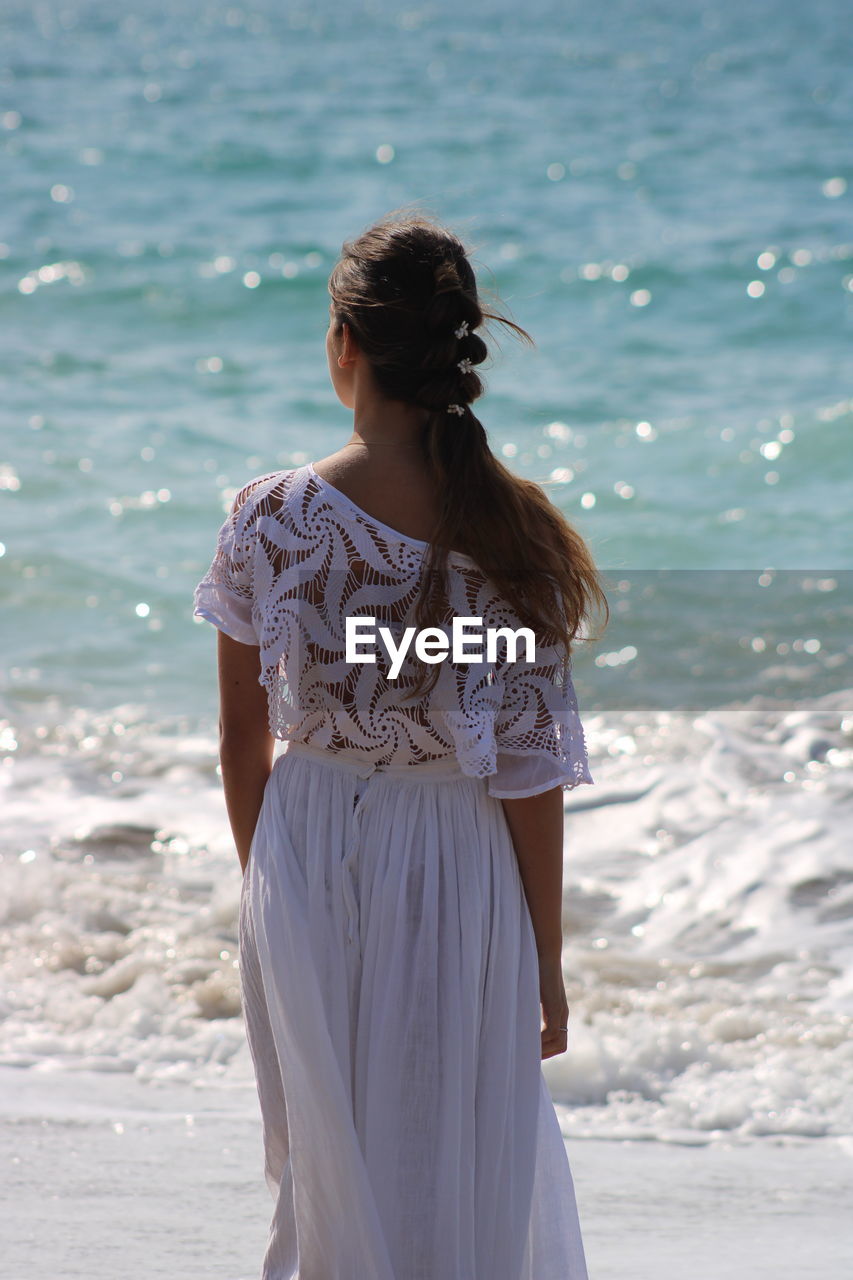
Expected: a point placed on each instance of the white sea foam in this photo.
(708, 905)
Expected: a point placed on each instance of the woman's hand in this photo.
(555, 1006)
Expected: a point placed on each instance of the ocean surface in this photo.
(661, 196)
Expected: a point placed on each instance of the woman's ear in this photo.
(349, 349)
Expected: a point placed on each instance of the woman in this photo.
(400, 914)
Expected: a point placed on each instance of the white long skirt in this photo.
(390, 991)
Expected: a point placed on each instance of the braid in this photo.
(449, 359)
(405, 291)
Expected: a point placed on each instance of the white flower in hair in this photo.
(456, 408)
(464, 366)
(462, 330)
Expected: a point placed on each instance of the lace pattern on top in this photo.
(295, 557)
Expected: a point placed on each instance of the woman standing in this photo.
(400, 914)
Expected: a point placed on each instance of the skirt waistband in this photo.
(353, 762)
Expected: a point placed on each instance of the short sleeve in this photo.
(224, 596)
(539, 738)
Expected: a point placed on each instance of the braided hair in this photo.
(406, 289)
(408, 292)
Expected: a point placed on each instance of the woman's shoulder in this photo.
(264, 494)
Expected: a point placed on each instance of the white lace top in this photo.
(296, 557)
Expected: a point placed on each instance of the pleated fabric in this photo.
(390, 991)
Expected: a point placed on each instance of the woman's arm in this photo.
(245, 742)
(536, 827)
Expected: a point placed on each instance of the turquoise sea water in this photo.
(660, 194)
(183, 178)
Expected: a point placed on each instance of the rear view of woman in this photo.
(400, 914)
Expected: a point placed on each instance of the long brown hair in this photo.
(405, 286)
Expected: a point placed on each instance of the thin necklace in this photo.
(353, 444)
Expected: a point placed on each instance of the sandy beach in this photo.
(112, 1176)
